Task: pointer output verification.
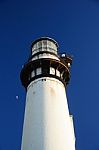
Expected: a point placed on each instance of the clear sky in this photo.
(74, 24)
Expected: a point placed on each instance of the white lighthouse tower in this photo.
(47, 122)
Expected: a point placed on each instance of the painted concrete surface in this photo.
(47, 123)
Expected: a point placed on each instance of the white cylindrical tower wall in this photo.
(47, 124)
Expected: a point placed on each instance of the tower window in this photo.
(45, 70)
(38, 70)
(57, 73)
(32, 73)
(52, 71)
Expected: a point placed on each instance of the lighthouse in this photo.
(48, 124)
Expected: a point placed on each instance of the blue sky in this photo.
(74, 24)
